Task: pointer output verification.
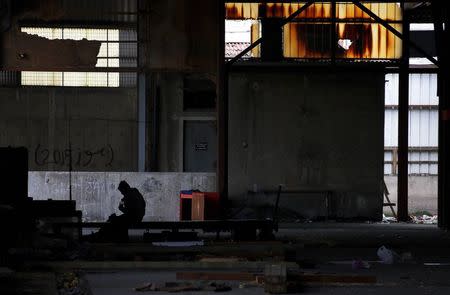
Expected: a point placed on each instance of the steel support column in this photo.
(222, 112)
(403, 125)
(334, 32)
(141, 89)
(441, 14)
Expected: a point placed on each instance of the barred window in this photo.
(118, 50)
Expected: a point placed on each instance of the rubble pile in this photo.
(425, 219)
(417, 219)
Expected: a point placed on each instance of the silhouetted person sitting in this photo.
(132, 205)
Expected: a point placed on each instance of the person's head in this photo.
(123, 186)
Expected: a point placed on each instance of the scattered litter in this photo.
(360, 264)
(425, 219)
(174, 287)
(417, 219)
(72, 283)
(388, 219)
(387, 256)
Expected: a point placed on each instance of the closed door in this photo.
(200, 146)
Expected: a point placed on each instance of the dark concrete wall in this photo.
(99, 124)
(172, 116)
(182, 35)
(308, 130)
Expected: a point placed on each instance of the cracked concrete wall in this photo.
(96, 193)
(99, 125)
(315, 130)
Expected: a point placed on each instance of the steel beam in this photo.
(260, 40)
(222, 113)
(403, 36)
(334, 37)
(441, 14)
(403, 126)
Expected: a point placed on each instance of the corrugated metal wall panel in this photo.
(391, 89)
(423, 123)
(423, 128)
(390, 129)
(422, 89)
(344, 10)
(310, 34)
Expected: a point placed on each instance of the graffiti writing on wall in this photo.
(79, 157)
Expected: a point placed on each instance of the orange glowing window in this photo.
(311, 33)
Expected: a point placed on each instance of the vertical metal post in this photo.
(222, 111)
(441, 13)
(334, 32)
(403, 124)
(153, 115)
(445, 118)
(141, 88)
(142, 130)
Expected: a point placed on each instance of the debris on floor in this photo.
(425, 219)
(417, 219)
(174, 287)
(360, 264)
(387, 256)
(389, 219)
(72, 283)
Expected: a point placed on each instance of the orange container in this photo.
(199, 206)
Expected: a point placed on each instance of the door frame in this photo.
(182, 120)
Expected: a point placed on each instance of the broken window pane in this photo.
(118, 49)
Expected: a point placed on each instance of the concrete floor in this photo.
(396, 281)
(323, 248)
(332, 246)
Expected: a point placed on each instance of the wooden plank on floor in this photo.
(342, 279)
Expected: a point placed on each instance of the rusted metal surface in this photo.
(311, 33)
(368, 41)
(321, 10)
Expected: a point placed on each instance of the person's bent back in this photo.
(132, 204)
